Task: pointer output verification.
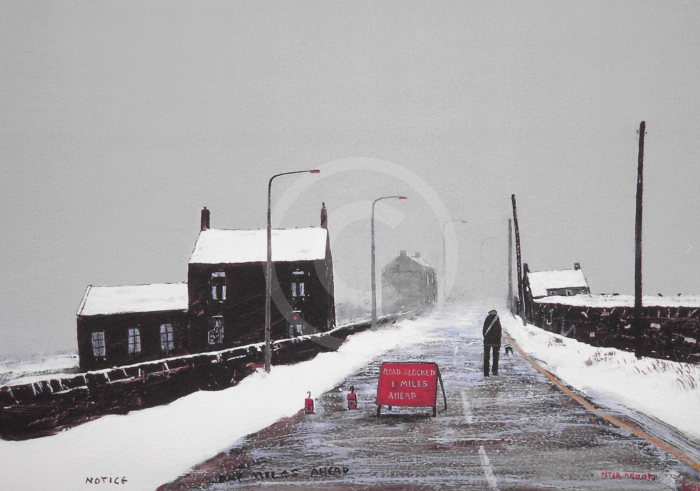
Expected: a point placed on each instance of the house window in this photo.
(298, 289)
(298, 284)
(166, 337)
(218, 285)
(216, 330)
(134, 340)
(98, 343)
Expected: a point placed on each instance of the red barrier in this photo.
(352, 398)
(408, 384)
(308, 404)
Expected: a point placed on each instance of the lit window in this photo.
(166, 337)
(218, 285)
(134, 340)
(98, 343)
(216, 330)
(298, 289)
(298, 284)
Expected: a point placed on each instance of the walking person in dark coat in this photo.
(492, 341)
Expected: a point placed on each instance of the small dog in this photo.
(509, 349)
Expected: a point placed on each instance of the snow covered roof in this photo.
(610, 301)
(250, 246)
(420, 261)
(106, 300)
(402, 259)
(541, 281)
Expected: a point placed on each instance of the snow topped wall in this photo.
(670, 326)
(611, 301)
(250, 246)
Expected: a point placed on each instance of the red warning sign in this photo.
(407, 384)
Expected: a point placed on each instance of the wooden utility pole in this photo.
(510, 264)
(521, 294)
(638, 244)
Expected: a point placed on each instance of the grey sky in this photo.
(120, 120)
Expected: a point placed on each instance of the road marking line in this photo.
(485, 463)
(663, 446)
(487, 468)
(467, 409)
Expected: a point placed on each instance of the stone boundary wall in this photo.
(43, 408)
(671, 333)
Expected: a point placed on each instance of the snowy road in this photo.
(515, 431)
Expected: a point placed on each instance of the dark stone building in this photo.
(223, 303)
(226, 281)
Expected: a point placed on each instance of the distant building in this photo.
(408, 283)
(223, 303)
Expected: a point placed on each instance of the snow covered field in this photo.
(154, 446)
(666, 390)
(15, 372)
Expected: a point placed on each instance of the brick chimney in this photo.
(324, 216)
(577, 266)
(417, 255)
(402, 253)
(205, 219)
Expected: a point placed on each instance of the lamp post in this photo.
(444, 256)
(374, 282)
(268, 269)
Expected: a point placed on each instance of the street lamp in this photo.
(374, 282)
(444, 257)
(268, 269)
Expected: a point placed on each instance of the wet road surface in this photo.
(516, 431)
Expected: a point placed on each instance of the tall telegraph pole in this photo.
(521, 294)
(510, 264)
(638, 244)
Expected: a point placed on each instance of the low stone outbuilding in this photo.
(120, 325)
